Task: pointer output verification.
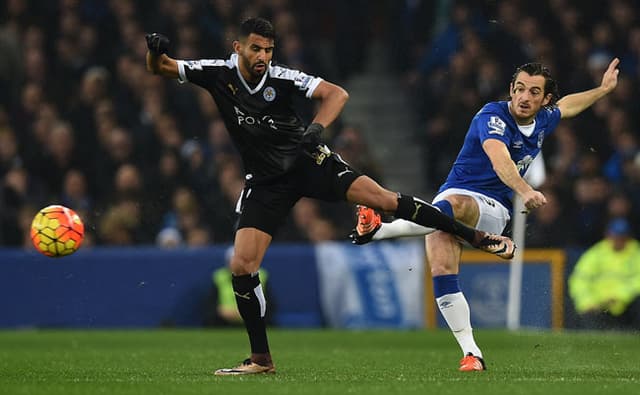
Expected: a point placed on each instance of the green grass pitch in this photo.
(316, 362)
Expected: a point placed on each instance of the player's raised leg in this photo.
(369, 227)
(366, 191)
(249, 249)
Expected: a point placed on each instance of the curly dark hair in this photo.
(550, 85)
(259, 26)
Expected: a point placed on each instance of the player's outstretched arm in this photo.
(574, 104)
(158, 62)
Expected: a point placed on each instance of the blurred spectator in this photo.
(353, 148)
(167, 178)
(25, 218)
(13, 196)
(184, 215)
(130, 220)
(625, 146)
(169, 238)
(589, 209)
(93, 89)
(9, 156)
(60, 155)
(446, 43)
(605, 283)
(548, 226)
(199, 236)
(75, 193)
(120, 224)
(308, 222)
(619, 206)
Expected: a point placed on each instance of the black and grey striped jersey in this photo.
(261, 120)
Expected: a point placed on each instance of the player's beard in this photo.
(255, 74)
(258, 71)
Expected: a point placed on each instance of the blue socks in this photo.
(444, 285)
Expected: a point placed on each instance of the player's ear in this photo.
(547, 99)
(237, 46)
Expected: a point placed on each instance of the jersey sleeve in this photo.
(306, 84)
(199, 72)
(492, 126)
(553, 119)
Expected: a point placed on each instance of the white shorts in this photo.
(493, 215)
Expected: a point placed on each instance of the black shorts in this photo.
(265, 207)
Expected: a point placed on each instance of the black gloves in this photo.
(311, 137)
(157, 43)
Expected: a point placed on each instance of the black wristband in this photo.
(314, 128)
(311, 136)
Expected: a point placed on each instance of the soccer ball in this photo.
(57, 231)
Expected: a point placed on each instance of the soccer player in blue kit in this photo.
(503, 139)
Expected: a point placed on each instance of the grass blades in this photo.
(316, 362)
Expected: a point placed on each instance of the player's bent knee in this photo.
(240, 266)
(464, 207)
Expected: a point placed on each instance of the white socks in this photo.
(401, 228)
(455, 310)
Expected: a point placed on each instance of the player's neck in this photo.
(246, 75)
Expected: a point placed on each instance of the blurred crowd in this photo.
(142, 159)
(146, 160)
(593, 162)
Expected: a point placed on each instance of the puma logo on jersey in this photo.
(344, 172)
(246, 296)
(415, 213)
(232, 88)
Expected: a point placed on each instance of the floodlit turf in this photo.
(316, 362)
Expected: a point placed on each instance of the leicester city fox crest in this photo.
(269, 94)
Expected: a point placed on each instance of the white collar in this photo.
(234, 60)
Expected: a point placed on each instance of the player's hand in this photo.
(533, 199)
(610, 77)
(311, 137)
(157, 43)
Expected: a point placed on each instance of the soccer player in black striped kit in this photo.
(285, 160)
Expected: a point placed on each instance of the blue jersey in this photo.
(473, 170)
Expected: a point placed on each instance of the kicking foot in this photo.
(368, 224)
(246, 367)
(501, 246)
(470, 363)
